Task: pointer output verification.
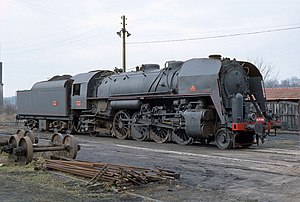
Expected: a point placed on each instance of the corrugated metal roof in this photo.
(292, 93)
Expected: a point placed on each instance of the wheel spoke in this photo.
(139, 132)
(159, 134)
(180, 137)
(121, 125)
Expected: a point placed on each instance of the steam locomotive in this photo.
(208, 100)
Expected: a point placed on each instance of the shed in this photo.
(285, 103)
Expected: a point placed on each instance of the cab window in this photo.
(76, 89)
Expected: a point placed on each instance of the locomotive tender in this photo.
(203, 99)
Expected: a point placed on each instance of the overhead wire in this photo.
(61, 33)
(220, 30)
(89, 35)
(54, 53)
(21, 46)
(62, 42)
(47, 10)
(214, 37)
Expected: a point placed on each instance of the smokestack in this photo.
(1, 90)
(215, 56)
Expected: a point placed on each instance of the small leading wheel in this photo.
(180, 137)
(72, 146)
(139, 132)
(25, 144)
(159, 134)
(224, 139)
(121, 125)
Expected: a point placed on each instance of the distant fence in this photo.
(287, 112)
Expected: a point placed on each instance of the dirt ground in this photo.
(269, 172)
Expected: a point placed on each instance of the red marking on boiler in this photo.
(193, 88)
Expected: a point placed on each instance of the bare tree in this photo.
(9, 109)
(266, 68)
(272, 83)
(291, 82)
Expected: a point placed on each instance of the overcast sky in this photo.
(43, 38)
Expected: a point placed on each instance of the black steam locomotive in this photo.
(204, 99)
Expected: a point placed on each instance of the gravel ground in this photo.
(269, 172)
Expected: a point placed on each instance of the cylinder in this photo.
(207, 129)
(237, 103)
(196, 124)
(207, 114)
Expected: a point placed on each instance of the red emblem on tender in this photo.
(54, 103)
(78, 103)
(193, 88)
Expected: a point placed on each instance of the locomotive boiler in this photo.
(203, 99)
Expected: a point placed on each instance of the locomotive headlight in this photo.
(252, 116)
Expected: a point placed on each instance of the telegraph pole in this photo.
(123, 33)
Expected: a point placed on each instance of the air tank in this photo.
(237, 108)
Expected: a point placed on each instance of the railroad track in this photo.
(277, 151)
(279, 167)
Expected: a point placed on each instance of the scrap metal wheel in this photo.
(121, 127)
(20, 133)
(224, 139)
(72, 146)
(57, 140)
(180, 137)
(26, 144)
(14, 140)
(139, 132)
(30, 134)
(159, 134)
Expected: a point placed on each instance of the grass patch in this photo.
(42, 185)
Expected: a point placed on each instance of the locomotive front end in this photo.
(244, 105)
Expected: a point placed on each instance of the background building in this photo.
(285, 102)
